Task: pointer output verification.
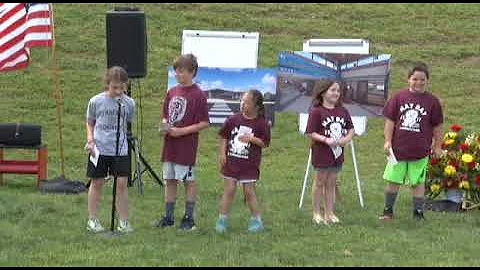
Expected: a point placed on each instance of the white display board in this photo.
(222, 49)
(352, 46)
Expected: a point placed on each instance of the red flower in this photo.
(433, 160)
(456, 127)
(471, 165)
(477, 179)
(454, 163)
(463, 147)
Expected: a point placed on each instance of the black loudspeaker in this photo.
(18, 134)
(127, 41)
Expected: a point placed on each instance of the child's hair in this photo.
(321, 86)
(257, 100)
(188, 62)
(420, 67)
(117, 74)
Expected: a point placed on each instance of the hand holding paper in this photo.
(391, 157)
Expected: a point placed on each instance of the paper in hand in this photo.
(391, 157)
(94, 158)
(244, 130)
(336, 150)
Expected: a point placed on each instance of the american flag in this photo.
(22, 26)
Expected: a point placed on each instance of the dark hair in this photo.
(257, 100)
(188, 62)
(321, 86)
(420, 67)
(115, 73)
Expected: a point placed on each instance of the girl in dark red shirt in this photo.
(330, 128)
(242, 138)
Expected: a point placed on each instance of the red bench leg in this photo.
(1, 159)
(42, 159)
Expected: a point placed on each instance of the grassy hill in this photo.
(49, 230)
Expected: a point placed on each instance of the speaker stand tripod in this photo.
(139, 159)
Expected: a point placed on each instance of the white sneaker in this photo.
(334, 219)
(93, 225)
(317, 219)
(124, 227)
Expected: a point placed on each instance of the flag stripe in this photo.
(20, 30)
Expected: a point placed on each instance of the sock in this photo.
(390, 201)
(189, 208)
(169, 210)
(418, 203)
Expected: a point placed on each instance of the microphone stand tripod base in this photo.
(111, 234)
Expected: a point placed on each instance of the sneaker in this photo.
(220, 225)
(418, 215)
(318, 219)
(255, 224)
(124, 227)
(187, 224)
(93, 225)
(164, 222)
(387, 214)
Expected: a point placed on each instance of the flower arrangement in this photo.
(457, 168)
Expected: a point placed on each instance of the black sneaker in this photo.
(187, 224)
(387, 214)
(418, 215)
(164, 222)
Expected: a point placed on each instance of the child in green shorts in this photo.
(413, 117)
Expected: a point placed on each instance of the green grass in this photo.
(49, 230)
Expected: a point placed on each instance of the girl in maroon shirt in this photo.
(242, 138)
(330, 128)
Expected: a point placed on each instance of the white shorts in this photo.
(239, 181)
(174, 171)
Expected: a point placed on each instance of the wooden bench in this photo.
(38, 166)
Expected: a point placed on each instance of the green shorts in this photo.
(410, 173)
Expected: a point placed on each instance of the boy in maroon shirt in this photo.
(185, 113)
(242, 138)
(412, 118)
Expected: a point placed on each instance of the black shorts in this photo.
(108, 165)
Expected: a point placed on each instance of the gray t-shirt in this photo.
(103, 109)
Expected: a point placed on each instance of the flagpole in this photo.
(58, 94)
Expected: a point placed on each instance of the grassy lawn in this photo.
(49, 230)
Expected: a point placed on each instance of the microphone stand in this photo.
(114, 192)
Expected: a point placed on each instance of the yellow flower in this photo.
(464, 185)
(467, 158)
(450, 135)
(435, 188)
(449, 170)
(449, 141)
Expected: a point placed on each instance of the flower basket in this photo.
(457, 169)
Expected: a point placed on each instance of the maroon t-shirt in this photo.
(183, 106)
(243, 159)
(334, 123)
(415, 115)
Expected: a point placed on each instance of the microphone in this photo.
(119, 101)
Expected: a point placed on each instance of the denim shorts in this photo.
(332, 168)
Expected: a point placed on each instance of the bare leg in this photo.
(249, 190)
(94, 193)
(122, 198)
(318, 191)
(229, 188)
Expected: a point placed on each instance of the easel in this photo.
(357, 46)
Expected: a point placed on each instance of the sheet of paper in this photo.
(337, 151)
(244, 130)
(94, 158)
(391, 157)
